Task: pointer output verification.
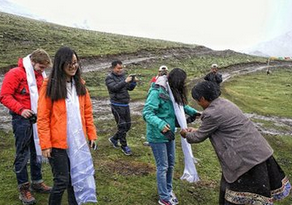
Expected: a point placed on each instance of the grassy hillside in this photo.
(270, 97)
(124, 180)
(19, 36)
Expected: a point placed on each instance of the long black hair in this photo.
(56, 89)
(177, 82)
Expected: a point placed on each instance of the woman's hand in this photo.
(47, 152)
(166, 128)
(92, 144)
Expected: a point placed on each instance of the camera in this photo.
(169, 135)
(33, 118)
(133, 76)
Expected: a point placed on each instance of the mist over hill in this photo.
(280, 46)
(11, 8)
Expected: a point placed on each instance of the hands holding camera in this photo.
(131, 78)
(29, 114)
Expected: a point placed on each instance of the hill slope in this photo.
(20, 35)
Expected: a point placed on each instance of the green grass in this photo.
(131, 180)
(195, 66)
(20, 36)
(261, 93)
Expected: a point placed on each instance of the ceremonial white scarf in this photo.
(34, 96)
(190, 172)
(81, 165)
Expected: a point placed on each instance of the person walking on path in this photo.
(214, 75)
(250, 174)
(19, 93)
(158, 112)
(65, 120)
(118, 86)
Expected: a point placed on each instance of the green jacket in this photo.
(158, 112)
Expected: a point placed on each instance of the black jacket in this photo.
(118, 88)
(214, 77)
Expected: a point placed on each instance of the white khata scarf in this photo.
(34, 96)
(81, 165)
(190, 172)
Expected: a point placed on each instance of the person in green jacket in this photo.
(158, 112)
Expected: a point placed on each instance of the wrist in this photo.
(20, 111)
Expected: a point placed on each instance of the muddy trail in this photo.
(101, 108)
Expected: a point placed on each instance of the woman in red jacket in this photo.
(65, 120)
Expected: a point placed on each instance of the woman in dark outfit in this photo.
(250, 174)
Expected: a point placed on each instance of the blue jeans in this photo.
(164, 154)
(25, 149)
(60, 164)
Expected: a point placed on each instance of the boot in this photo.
(25, 195)
(40, 187)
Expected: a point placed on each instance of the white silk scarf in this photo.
(81, 165)
(190, 172)
(34, 96)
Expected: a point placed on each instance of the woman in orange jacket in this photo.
(65, 119)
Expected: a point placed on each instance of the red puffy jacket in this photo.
(15, 92)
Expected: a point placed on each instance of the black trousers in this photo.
(60, 164)
(123, 120)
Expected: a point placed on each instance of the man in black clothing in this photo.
(214, 76)
(118, 86)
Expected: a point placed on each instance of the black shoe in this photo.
(127, 151)
(113, 142)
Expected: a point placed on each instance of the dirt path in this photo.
(102, 110)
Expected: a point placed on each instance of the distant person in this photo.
(163, 70)
(65, 120)
(268, 71)
(250, 174)
(158, 112)
(19, 93)
(118, 86)
(214, 75)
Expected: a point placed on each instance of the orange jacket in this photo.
(52, 120)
